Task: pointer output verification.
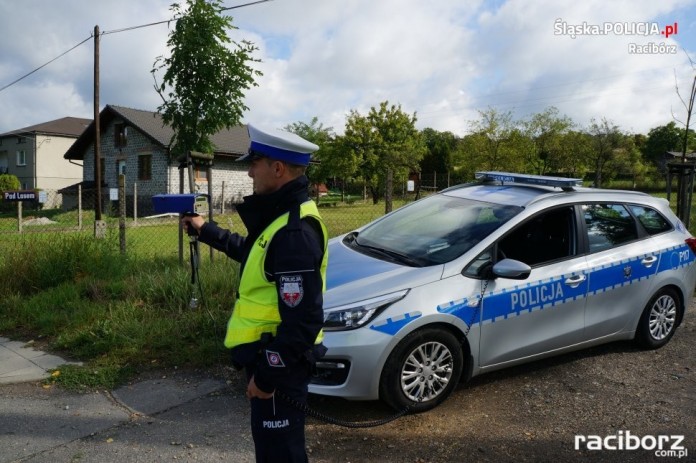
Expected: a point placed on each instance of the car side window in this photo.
(608, 225)
(650, 219)
(549, 236)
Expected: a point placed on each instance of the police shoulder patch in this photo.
(291, 289)
(274, 359)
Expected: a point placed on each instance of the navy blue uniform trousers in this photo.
(277, 426)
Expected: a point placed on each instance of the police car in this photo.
(509, 269)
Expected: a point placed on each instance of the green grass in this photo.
(118, 314)
(124, 313)
(160, 237)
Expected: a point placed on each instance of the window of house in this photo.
(201, 173)
(120, 167)
(3, 162)
(145, 167)
(608, 225)
(21, 140)
(21, 158)
(120, 135)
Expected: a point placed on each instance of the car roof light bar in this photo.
(567, 184)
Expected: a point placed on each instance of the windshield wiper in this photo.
(392, 255)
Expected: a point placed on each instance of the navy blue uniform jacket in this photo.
(295, 250)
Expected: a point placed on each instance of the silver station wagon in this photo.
(509, 269)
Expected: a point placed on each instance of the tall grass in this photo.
(124, 313)
(118, 314)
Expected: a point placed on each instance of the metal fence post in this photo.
(135, 203)
(19, 216)
(79, 207)
(209, 176)
(122, 212)
(222, 199)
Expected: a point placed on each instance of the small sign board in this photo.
(113, 194)
(19, 195)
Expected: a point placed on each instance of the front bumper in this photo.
(353, 364)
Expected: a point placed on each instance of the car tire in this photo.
(660, 319)
(422, 371)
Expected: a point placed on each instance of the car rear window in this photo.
(651, 220)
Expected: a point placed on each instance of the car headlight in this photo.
(356, 314)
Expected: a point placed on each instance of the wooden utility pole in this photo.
(99, 225)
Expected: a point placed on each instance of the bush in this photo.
(9, 182)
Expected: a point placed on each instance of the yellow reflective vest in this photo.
(256, 309)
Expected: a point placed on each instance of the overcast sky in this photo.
(442, 59)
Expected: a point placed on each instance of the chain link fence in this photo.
(129, 217)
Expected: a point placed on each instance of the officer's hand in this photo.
(195, 221)
(253, 391)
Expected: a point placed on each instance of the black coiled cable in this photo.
(331, 420)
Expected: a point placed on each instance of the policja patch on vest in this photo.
(291, 290)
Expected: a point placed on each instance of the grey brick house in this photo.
(136, 143)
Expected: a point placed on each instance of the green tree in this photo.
(339, 162)
(441, 147)
(331, 162)
(388, 146)
(544, 131)
(358, 140)
(628, 161)
(399, 146)
(205, 80)
(575, 150)
(494, 143)
(660, 140)
(606, 138)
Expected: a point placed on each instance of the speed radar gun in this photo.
(183, 204)
(189, 204)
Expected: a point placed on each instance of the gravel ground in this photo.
(532, 413)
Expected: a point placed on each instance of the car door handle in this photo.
(575, 280)
(648, 261)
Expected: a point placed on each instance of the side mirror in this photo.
(512, 269)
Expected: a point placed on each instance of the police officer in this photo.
(275, 328)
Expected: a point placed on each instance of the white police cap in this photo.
(280, 145)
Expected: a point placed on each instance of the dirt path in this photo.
(532, 413)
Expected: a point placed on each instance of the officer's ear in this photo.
(279, 168)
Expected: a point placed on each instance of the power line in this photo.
(115, 31)
(125, 29)
(245, 4)
(46, 64)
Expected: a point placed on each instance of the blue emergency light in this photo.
(191, 203)
(528, 179)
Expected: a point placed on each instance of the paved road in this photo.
(183, 417)
(527, 413)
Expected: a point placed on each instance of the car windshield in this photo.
(433, 231)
